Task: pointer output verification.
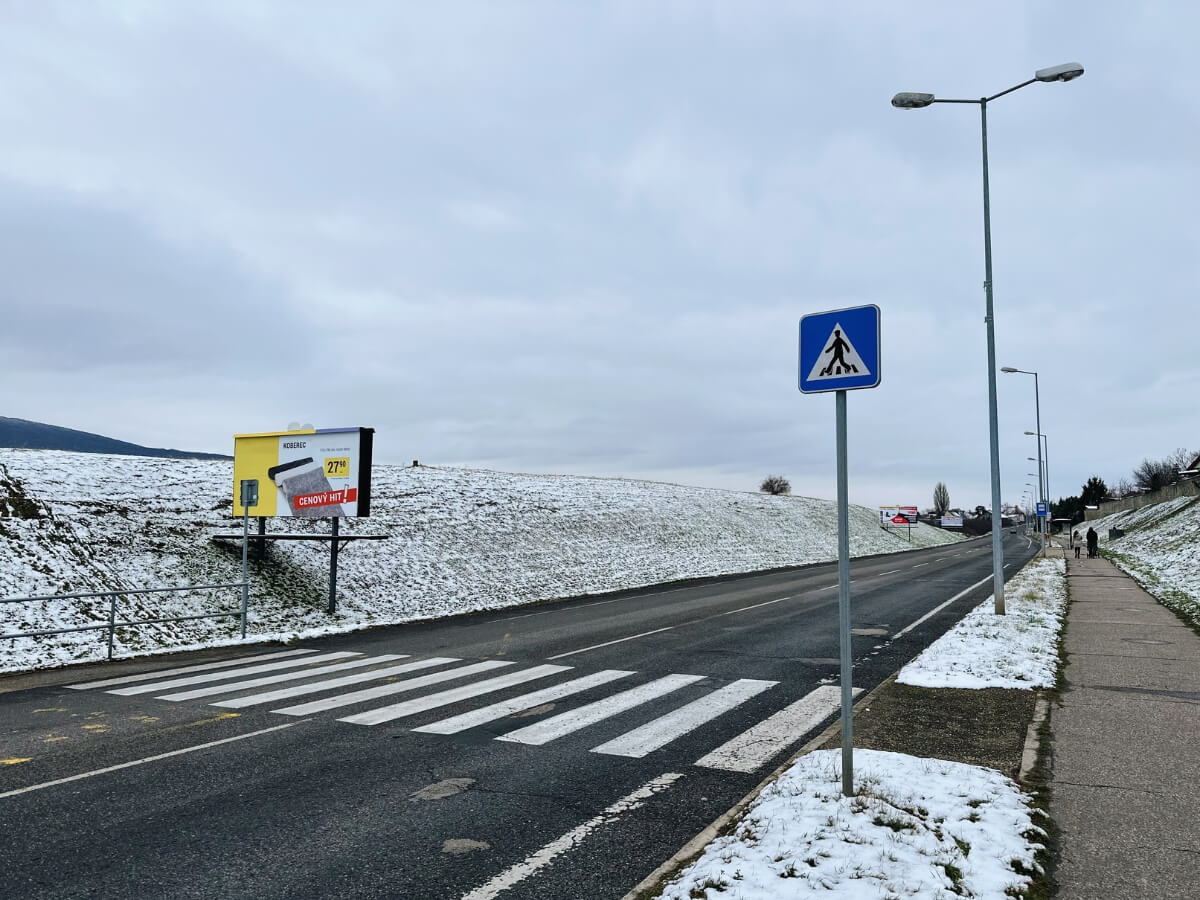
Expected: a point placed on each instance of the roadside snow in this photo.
(1016, 650)
(459, 540)
(914, 828)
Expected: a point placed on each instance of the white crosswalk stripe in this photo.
(664, 729)
(752, 749)
(210, 690)
(747, 752)
(317, 687)
(230, 673)
(478, 717)
(386, 690)
(454, 695)
(565, 723)
(202, 667)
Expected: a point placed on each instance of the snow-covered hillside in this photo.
(1160, 548)
(459, 540)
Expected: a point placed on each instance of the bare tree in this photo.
(775, 484)
(1153, 474)
(941, 498)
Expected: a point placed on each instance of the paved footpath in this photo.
(1126, 744)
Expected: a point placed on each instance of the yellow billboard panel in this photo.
(308, 473)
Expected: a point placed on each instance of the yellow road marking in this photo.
(218, 718)
(144, 718)
(53, 738)
(95, 729)
(13, 760)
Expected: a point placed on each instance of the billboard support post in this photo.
(333, 553)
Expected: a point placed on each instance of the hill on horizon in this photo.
(25, 435)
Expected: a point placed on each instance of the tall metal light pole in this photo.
(1046, 455)
(1042, 486)
(909, 100)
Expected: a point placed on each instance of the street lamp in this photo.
(1037, 405)
(1045, 455)
(908, 100)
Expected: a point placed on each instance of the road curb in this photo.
(1033, 744)
(696, 845)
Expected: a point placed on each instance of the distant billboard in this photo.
(897, 515)
(952, 522)
(309, 473)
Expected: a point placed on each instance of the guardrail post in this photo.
(112, 622)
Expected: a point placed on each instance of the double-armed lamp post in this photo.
(909, 100)
(1043, 485)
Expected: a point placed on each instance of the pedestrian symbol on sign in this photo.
(838, 359)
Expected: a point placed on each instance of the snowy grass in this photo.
(1016, 650)
(1160, 550)
(460, 540)
(913, 828)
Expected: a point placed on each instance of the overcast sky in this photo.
(578, 237)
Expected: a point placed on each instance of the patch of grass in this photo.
(895, 823)
(963, 846)
(955, 874)
(700, 891)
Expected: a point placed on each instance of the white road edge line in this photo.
(632, 637)
(937, 609)
(755, 606)
(147, 759)
(514, 875)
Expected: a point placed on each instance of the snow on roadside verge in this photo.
(915, 827)
(1016, 650)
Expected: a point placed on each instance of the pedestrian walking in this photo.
(1093, 542)
(1075, 542)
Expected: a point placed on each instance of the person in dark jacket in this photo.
(1093, 542)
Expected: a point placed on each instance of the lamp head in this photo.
(1009, 369)
(1065, 72)
(910, 100)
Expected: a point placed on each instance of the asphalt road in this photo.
(652, 712)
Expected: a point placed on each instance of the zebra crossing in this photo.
(263, 680)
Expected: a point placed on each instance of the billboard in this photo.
(897, 515)
(310, 473)
(952, 522)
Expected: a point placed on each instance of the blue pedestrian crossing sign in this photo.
(840, 350)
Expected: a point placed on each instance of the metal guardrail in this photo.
(112, 624)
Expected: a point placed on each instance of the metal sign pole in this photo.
(245, 566)
(249, 498)
(840, 351)
(843, 504)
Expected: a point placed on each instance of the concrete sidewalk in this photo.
(1125, 739)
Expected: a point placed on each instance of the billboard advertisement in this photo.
(952, 522)
(897, 515)
(314, 473)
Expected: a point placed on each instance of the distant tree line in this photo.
(1149, 475)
